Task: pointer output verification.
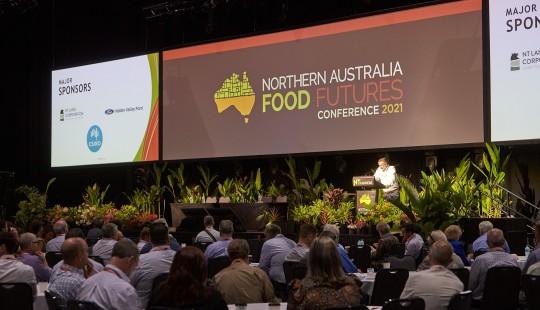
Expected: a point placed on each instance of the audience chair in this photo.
(360, 307)
(405, 262)
(299, 272)
(90, 242)
(397, 249)
(160, 278)
(414, 303)
(202, 245)
(16, 296)
(97, 259)
(81, 305)
(288, 271)
(360, 256)
(389, 283)
(531, 287)
(217, 264)
(53, 301)
(460, 301)
(478, 253)
(423, 253)
(501, 289)
(255, 246)
(53, 258)
(463, 275)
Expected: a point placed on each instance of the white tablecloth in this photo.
(521, 262)
(40, 303)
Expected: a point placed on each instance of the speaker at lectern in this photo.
(366, 194)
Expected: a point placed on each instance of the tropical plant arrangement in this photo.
(331, 209)
(34, 207)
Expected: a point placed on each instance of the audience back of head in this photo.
(238, 249)
(9, 242)
(159, 234)
(324, 262)
(226, 227)
(109, 230)
(440, 253)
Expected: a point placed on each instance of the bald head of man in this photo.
(75, 252)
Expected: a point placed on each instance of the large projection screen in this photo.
(514, 36)
(106, 113)
(404, 79)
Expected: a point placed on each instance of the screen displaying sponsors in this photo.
(514, 52)
(404, 79)
(106, 113)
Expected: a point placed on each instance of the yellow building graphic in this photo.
(237, 93)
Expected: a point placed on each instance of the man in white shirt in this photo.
(413, 241)
(386, 175)
(103, 248)
(437, 284)
(12, 270)
(110, 289)
(60, 229)
(153, 263)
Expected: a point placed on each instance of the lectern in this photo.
(366, 193)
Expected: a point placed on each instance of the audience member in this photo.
(67, 279)
(381, 250)
(186, 286)
(103, 248)
(11, 270)
(307, 234)
(36, 227)
(29, 255)
(534, 269)
(48, 235)
(110, 289)
(60, 229)
(480, 245)
(325, 284)
(144, 238)
(453, 234)
(153, 263)
(346, 263)
(534, 256)
(438, 235)
(496, 257)
(219, 248)
(413, 241)
(172, 243)
(209, 234)
(76, 232)
(273, 253)
(437, 284)
(241, 283)
(95, 232)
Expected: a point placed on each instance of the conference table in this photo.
(40, 303)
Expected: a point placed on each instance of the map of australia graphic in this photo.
(237, 93)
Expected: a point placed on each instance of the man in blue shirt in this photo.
(332, 231)
(480, 245)
(219, 248)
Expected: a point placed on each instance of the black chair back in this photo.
(160, 278)
(97, 259)
(16, 296)
(478, 253)
(299, 272)
(288, 270)
(217, 264)
(423, 253)
(91, 241)
(501, 289)
(360, 256)
(531, 287)
(461, 301)
(414, 303)
(405, 262)
(463, 275)
(53, 258)
(397, 249)
(255, 247)
(202, 245)
(54, 302)
(389, 283)
(81, 305)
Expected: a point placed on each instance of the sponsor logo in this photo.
(514, 62)
(94, 138)
(109, 111)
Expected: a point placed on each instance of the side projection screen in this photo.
(403, 79)
(106, 113)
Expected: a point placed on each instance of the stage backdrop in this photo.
(106, 112)
(404, 79)
(514, 36)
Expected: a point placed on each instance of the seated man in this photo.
(172, 243)
(153, 263)
(95, 232)
(78, 233)
(307, 234)
(74, 269)
(103, 248)
(332, 231)
(437, 284)
(534, 256)
(494, 258)
(480, 245)
(29, 255)
(240, 283)
(209, 234)
(219, 248)
(110, 289)
(434, 236)
(413, 241)
(11, 270)
(60, 229)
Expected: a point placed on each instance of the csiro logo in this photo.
(514, 62)
(94, 138)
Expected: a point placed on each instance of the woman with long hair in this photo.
(325, 284)
(185, 286)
